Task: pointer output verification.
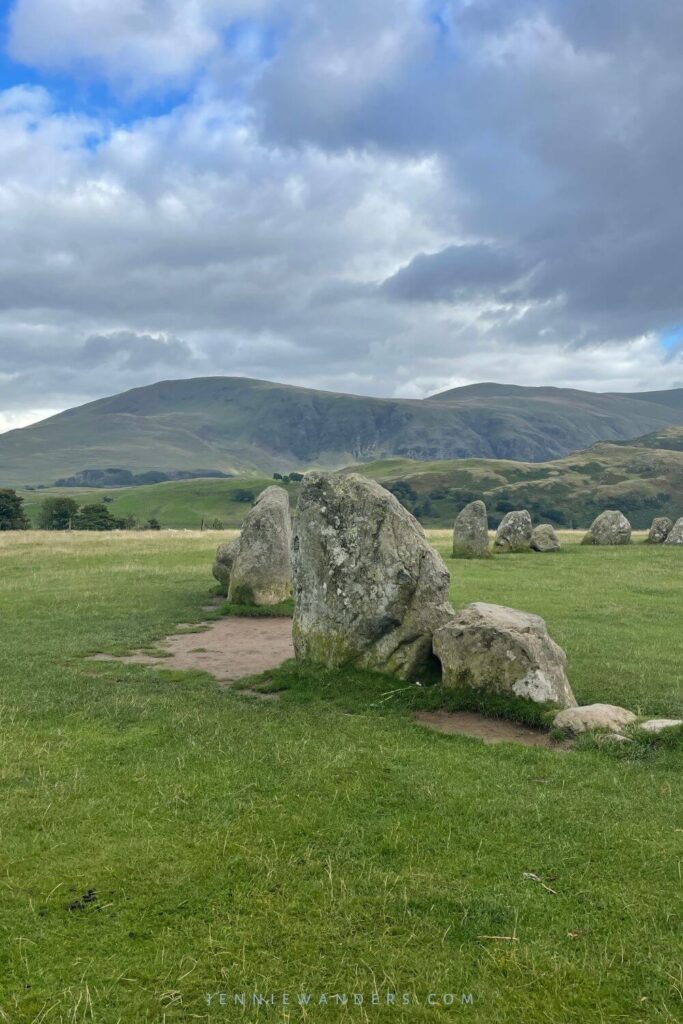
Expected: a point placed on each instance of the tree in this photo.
(153, 524)
(12, 515)
(57, 513)
(277, 476)
(295, 477)
(95, 517)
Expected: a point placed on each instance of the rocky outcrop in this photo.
(594, 716)
(369, 590)
(471, 532)
(499, 650)
(544, 538)
(675, 533)
(514, 532)
(261, 571)
(659, 530)
(609, 528)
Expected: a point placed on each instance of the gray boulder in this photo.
(609, 528)
(544, 538)
(368, 588)
(675, 533)
(471, 532)
(501, 650)
(261, 571)
(594, 716)
(660, 530)
(514, 532)
(225, 556)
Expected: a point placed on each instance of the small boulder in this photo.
(660, 530)
(675, 533)
(261, 571)
(369, 589)
(594, 716)
(514, 532)
(225, 556)
(655, 725)
(501, 650)
(609, 528)
(544, 538)
(471, 531)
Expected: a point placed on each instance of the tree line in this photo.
(64, 514)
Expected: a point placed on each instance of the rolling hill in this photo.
(249, 427)
(643, 478)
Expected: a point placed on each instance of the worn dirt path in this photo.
(490, 730)
(229, 648)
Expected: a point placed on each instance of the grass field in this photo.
(162, 839)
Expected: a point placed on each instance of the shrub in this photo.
(241, 494)
(57, 513)
(95, 517)
(12, 515)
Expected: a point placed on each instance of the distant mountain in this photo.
(240, 426)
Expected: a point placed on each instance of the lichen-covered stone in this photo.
(544, 538)
(261, 571)
(369, 590)
(594, 716)
(500, 650)
(609, 528)
(514, 532)
(659, 530)
(471, 532)
(675, 533)
(657, 725)
(225, 556)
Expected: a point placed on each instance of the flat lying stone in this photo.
(594, 716)
(660, 724)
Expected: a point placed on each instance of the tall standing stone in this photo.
(514, 532)
(261, 570)
(611, 527)
(369, 590)
(660, 530)
(471, 532)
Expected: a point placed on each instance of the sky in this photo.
(386, 198)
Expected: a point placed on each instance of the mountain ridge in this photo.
(246, 426)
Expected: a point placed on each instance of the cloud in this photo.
(385, 198)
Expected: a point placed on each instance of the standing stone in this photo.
(261, 570)
(544, 538)
(660, 530)
(368, 588)
(514, 532)
(471, 532)
(675, 533)
(501, 650)
(225, 556)
(609, 528)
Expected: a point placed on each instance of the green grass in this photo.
(162, 838)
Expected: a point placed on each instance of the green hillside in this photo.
(249, 427)
(181, 504)
(641, 479)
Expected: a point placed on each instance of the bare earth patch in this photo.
(490, 730)
(228, 649)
